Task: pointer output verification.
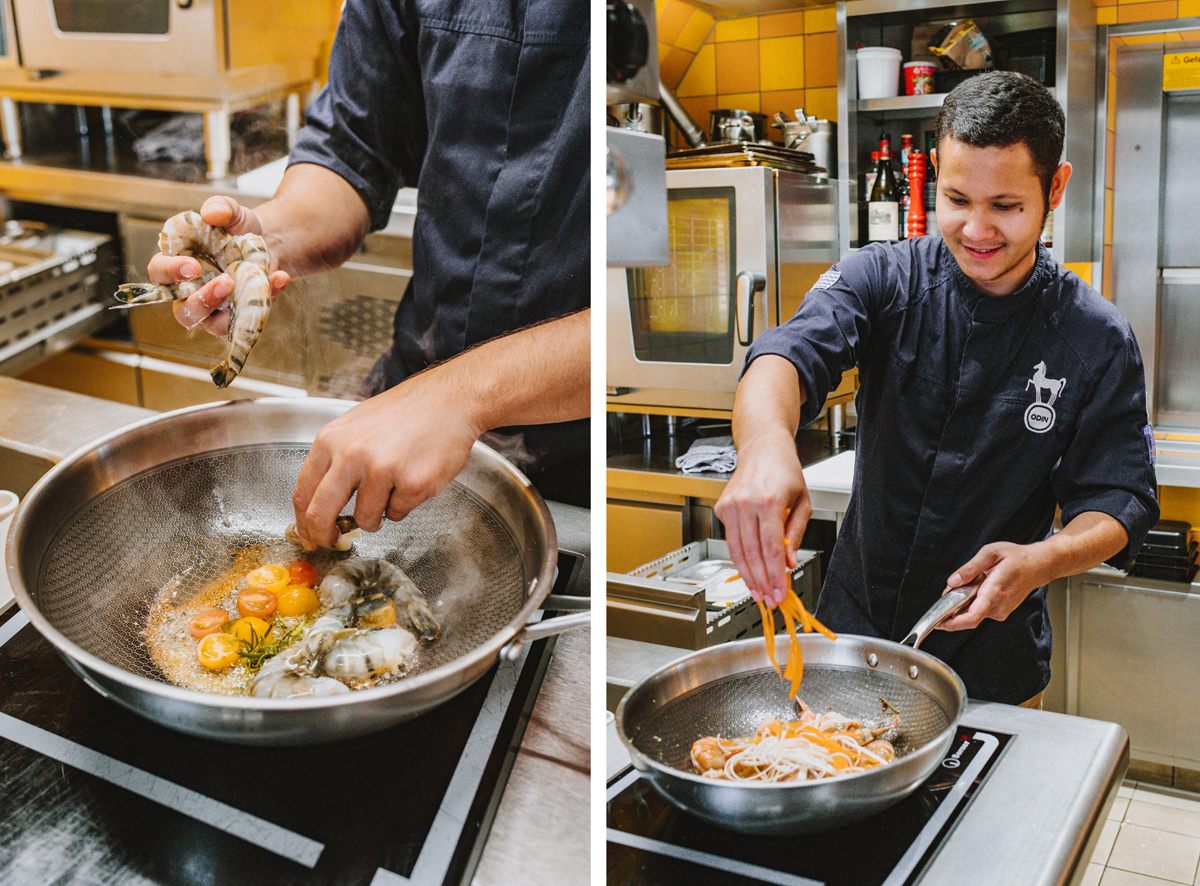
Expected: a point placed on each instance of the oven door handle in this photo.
(748, 284)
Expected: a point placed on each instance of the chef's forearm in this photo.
(767, 403)
(1085, 542)
(314, 222)
(535, 375)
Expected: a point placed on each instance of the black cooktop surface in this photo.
(92, 793)
(653, 843)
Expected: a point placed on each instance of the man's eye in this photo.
(957, 201)
(1004, 207)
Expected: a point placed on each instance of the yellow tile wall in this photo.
(762, 63)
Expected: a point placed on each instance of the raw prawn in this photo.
(368, 585)
(347, 528)
(243, 257)
(293, 672)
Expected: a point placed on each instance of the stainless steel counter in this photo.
(1036, 819)
(540, 831)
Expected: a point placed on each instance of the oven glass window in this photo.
(683, 313)
(111, 16)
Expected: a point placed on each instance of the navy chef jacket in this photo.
(977, 415)
(483, 107)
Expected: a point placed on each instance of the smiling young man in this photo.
(995, 388)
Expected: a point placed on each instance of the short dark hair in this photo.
(1003, 108)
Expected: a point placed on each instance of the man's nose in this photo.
(978, 225)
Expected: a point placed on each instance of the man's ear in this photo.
(1058, 184)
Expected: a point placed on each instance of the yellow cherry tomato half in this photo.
(249, 630)
(298, 600)
(301, 572)
(258, 602)
(218, 651)
(207, 622)
(272, 577)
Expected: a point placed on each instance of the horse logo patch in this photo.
(1039, 417)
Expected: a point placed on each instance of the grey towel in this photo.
(716, 454)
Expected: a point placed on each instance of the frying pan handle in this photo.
(547, 627)
(949, 604)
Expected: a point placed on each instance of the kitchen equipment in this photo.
(678, 335)
(641, 117)
(196, 39)
(878, 71)
(731, 689)
(731, 125)
(631, 52)
(817, 137)
(692, 133)
(693, 597)
(168, 501)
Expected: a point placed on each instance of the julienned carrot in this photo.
(793, 612)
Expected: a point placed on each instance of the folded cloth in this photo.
(715, 454)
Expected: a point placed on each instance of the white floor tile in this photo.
(1115, 877)
(1175, 799)
(1155, 853)
(1104, 843)
(1163, 817)
(1119, 806)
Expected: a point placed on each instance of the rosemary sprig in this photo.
(260, 648)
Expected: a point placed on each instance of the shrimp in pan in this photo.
(243, 257)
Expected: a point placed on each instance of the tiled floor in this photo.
(1151, 838)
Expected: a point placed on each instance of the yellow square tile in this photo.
(1106, 15)
(822, 103)
(700, 110)
(822, 19)
(697, 29)
(742, 28)
(741, 101)
(820, 60)
(737, 66)
(781, 24)
(1104, 2)
(782, 61)
(1147, 12)
(701, 76)
(784, 101)
(672, 16)
(673, 64)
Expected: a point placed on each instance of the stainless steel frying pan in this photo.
(731, 689)
(167, 503)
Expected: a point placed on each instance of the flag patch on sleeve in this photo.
(828, 279)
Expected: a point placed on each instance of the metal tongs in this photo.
(951, 603)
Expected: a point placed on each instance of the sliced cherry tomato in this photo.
(207, 622)
(302, 572)
(218, 651)
(258, 602)
(297, 600)
(249, 630)
(273, 577)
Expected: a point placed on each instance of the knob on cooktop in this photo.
(628, 41)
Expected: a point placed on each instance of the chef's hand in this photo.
(207, 306)
(1011, 573)
(765, 503)
(396, 450)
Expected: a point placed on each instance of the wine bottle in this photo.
(883, 208)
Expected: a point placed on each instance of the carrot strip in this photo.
(768, 620)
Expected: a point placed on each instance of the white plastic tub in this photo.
(878, 72)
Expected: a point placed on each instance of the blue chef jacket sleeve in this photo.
(832, 327)
(368, 123)
(1108, 465)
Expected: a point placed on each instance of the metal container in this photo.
(731, 125)
(172, 498)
